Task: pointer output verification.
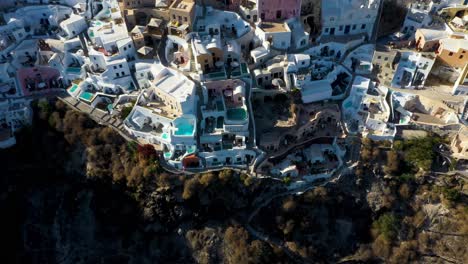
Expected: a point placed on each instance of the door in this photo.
(347, 29)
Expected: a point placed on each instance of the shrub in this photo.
(190, 188)
(420, 151)
(125, 112)
(387, 225)
(451, 194)
(147, 152)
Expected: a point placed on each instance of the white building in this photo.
(314, 91)
(413, 70)
(277, 34)
(74, 25)
(366, 111)
(418, 16)
(349, 17)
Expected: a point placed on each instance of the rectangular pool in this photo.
(87, 96)
(73, 88)
(237, 114)
(184, 129)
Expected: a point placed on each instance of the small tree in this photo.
(387, 225)
(147, 152)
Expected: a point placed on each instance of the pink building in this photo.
(278, 10)
(230, 5)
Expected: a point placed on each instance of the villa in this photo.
(413, 70)
(366, 111)
(345, 18)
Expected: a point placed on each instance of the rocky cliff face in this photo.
(128, 211)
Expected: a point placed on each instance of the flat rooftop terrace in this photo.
(273, 27)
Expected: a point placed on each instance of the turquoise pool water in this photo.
(73, 88)
(184, 129)
(165, 136)
(73, 69)
(167, 155)
(87, 96)
(237, 114)
(191, 149)
(110, 107)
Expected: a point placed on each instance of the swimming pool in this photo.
(184, 128)
(73, 88)
(73, 69)
(165, 136)
(191, 149)
(87, 96)
(167, 155)
(237, 114)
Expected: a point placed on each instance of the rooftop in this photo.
(454, 44)
(185, 5)
(273, 27)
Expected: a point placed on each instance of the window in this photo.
(185, 19)
(461, 57)
(450, 53)
(354, 27)
(123, 73)
(120, 66)
(125, 48)
(341, 28)
(173, 17)
(386, 59)
(117, 74)
(115, 67)
(363, 26)
(379, 57)
(326, 30)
